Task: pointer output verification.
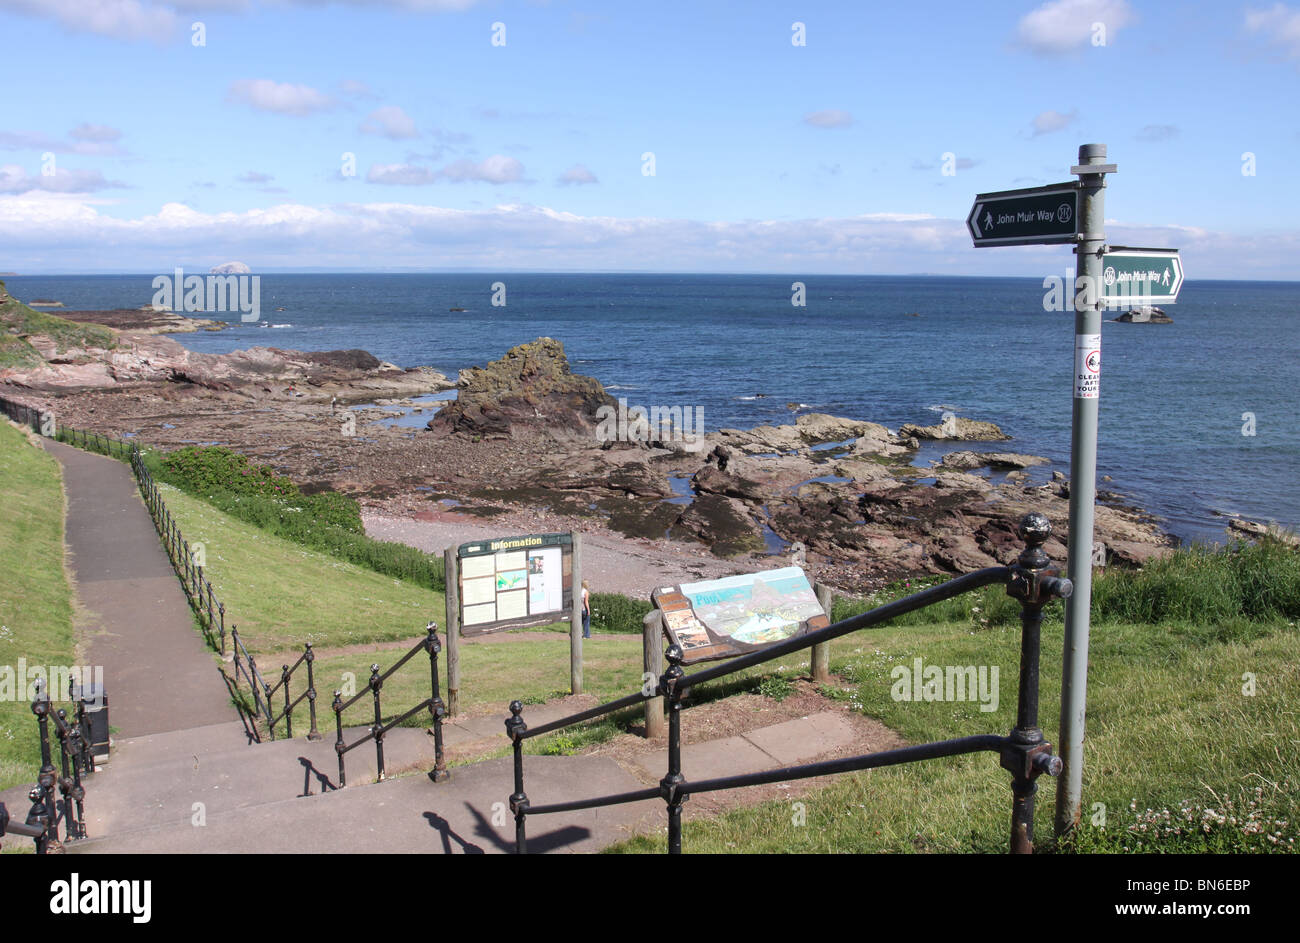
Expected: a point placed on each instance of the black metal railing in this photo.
(66, 804)
(21, 413)
(1024, 752)
(308, 657)
(437, 710)
(210, 611)
(243, 663)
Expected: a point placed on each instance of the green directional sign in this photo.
(1034, 216)
(1140, 276)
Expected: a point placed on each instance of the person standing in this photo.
(586, 611)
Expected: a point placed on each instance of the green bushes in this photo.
(613, 612)
(1199, 584)
(205, 469)
(1258, 581)
(328, 522)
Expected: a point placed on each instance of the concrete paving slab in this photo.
(411, 815)
(727, 757)
(799, 740)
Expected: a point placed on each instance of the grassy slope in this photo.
(14, 349)
(1168, 724)
(281, 594)
(35, 598)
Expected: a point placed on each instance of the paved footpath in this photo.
(159, 675)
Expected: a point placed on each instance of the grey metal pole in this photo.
(821, 654)
(575, 620)
(451, 577)
(1091, 170)
(652, 644)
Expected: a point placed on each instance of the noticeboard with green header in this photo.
(515, 582)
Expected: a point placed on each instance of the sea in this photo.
(1199, 419)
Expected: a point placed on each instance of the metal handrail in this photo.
(1024, 753)
(434, 704)
(308, 656)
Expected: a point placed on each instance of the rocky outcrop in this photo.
(954, 427)
(531, 386)
(146, 358)
(146, 320)
(964, 461)
(814, 429)
(1144, 315)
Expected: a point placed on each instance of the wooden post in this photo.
(652, 632)
(451, 573)
(821, 654)
(575, 620)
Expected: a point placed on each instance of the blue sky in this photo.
(827, 157)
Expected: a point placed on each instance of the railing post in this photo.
(221, 611)
(669, 784)
(652, 633)
(820, 657)
(338, 744)
(252, 683)
(288, 712)
(436, 707)
(515, 728)
(1028, 754)
(67, 787)
(375, 685)
(310, 656)
(42, 795)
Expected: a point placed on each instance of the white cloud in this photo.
(89, 139)
(1065, 25)
(15, 179)
(158, 21)
(255, 176)
(830, 118)
(391, 122)
(1280, 26)
(119, 19)
(57, 232)
(577, 175)
(400, 175)
(281, 98)
(1045, 122)
(494, 169)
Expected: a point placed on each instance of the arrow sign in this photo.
(1036, 216)
(1140, 276)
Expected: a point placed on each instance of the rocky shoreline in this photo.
(525, 446)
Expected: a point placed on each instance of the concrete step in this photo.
(410, 815)
(158, 779)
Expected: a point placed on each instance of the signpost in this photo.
(511, 583)
(1140, 276)
(1118, 276)
(1036, 216)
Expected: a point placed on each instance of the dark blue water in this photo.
(1173, 396)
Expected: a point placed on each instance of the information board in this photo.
(722, 618)
(515, 582)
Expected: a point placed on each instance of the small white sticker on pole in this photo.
(1087, 366)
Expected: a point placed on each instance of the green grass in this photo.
(1168, 729)
(15, 351)
(35, 598)
(281, 594)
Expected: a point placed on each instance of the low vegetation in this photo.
(18, 322)
(36, 609)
